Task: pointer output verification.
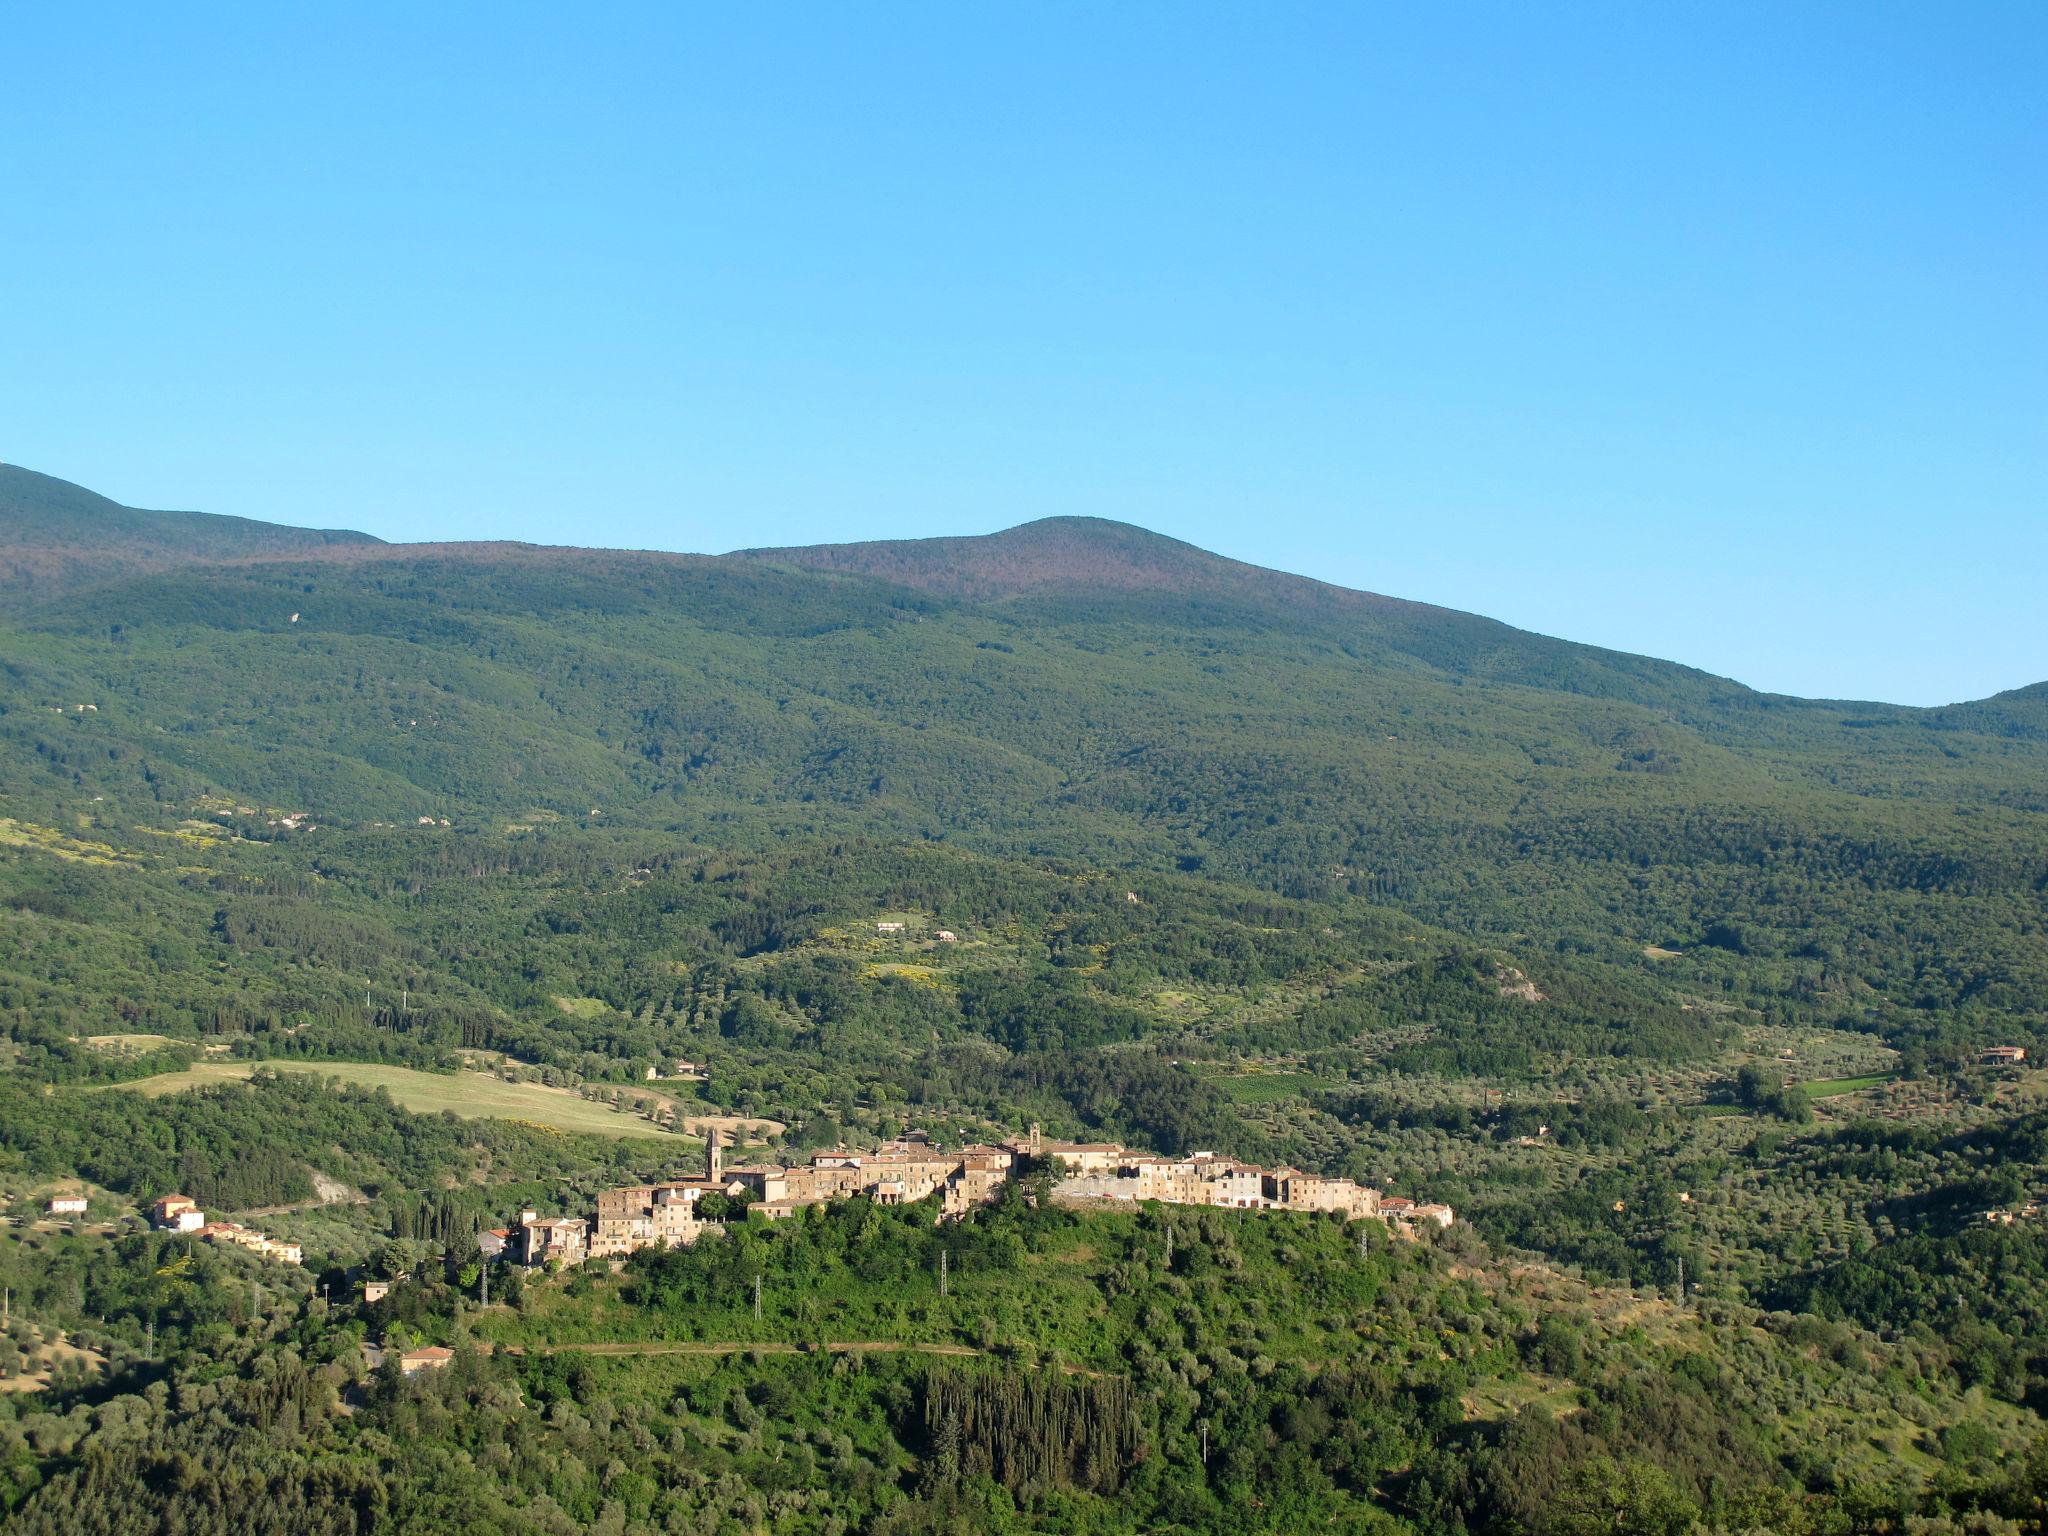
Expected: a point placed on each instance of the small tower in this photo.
(1037, 1140)
(711, 1157)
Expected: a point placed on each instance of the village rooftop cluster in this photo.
(181, 1213)
(911, 1169)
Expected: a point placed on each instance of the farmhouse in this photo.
(2005, 1055)
(66, 1205)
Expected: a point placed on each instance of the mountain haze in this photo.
(56, 536)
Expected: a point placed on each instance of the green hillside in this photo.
(1675, 990)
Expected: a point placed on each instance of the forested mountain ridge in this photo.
(56, 536)
(1068, 568)
(1197, 715)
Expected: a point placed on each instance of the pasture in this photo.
(471, 1095)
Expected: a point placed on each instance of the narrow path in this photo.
(326, 1192)
(771, 1347)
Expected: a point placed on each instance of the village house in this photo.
(2004, 1055)
(656, 1215)
(2006, 1218)
(1071, 1156)
(1293, 1190)
(377, 1290)
(978, 1178)
(648, 1216)
(432, 1357)
(176, 1213)
(562, 1238)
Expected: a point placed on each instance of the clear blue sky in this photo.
(1713, 331)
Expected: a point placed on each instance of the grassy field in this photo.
(472, 1095)
(1834, 1087)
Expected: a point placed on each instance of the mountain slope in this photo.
(56, 536)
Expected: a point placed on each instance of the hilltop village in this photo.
(911, 1169)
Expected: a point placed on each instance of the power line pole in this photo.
(942, 1271)
(757, 1298)
(1205, 1442)
(485, 1274)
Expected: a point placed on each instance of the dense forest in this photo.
(375, 893)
